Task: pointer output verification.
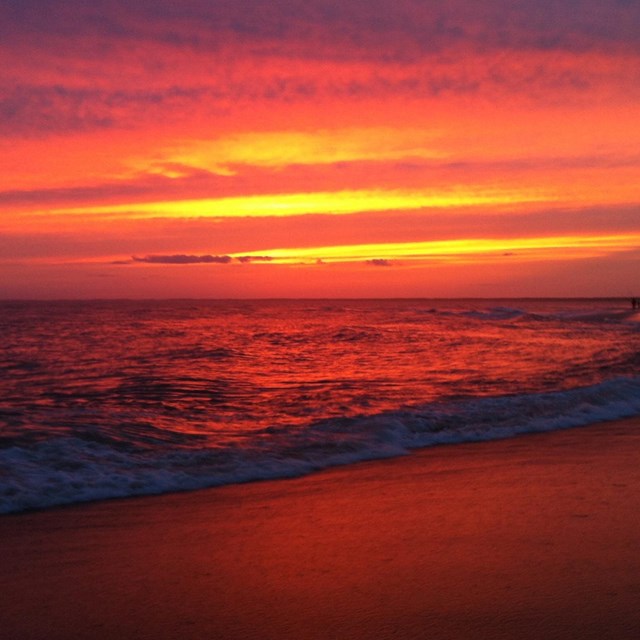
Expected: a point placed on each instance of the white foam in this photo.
(69, 470)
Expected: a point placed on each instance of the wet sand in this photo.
(533, 537)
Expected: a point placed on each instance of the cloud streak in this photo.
(297, 132)
(73, 67)
(183, 259)
(380, 262)
(177, 258)
(380, 27)
(247, 259)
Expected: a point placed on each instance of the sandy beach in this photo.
(532, 537)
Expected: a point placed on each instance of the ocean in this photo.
(106, 399)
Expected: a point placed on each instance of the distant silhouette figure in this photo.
(635, 303)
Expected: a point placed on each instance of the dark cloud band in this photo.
(183, 259)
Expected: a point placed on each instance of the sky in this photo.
(308, 148)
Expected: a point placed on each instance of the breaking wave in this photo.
(501, 313)
(66, 470)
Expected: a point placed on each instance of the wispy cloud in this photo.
(380, 262)
(246, 259)
(41, 110)
(380, 27)
(183, 259)
(293, 132)
(74, 66)
(194, 259)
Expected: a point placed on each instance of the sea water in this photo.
(103, 399)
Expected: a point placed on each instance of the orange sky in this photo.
(307, 148)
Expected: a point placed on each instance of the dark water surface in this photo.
(117, 398)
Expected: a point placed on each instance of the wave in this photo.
(495, 313)
(605, 316)
(500, 313)
(66, 470)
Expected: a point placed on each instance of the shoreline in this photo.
(528, 537)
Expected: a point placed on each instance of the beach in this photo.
(530, 537)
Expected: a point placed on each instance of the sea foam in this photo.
(66, 470)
